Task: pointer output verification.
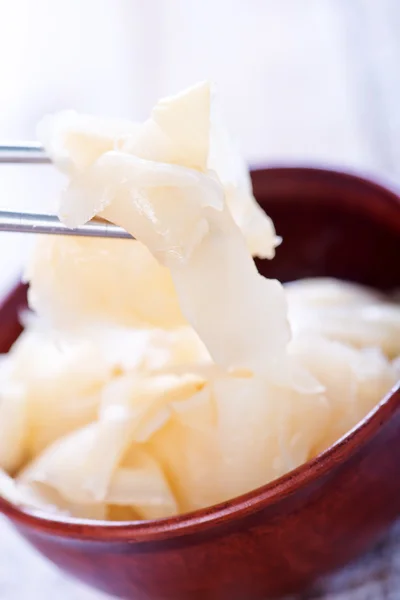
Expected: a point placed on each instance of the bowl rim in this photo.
(380, 182)
(256, 500)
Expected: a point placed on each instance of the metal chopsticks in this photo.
(32, 152)
(37, 223)
(22, 152)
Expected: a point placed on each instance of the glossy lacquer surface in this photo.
(281, 537)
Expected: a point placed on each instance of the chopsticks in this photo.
(22, 152)
(38, 223)
(32, 152)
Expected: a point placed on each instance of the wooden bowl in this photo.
(279, 538)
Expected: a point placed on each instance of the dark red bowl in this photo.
(279, 538)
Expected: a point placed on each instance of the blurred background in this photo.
(301, 81)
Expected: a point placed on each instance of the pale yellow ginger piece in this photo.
(345, 312)
(236, 435)
(13, 425)
(9, 490)
(132, 409)
(44, 497)
(61, 384)
(326, 292)
(75, 141)
(78, 281)
(37, 496)
(52, 386)
(65, 466)
(187, 448)
(396, 366)
(148, 351)
(354, 379)
(145, 401)
(278, 431)
(95, 474)
(139, 483)
(178, 131)
(226, 161)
